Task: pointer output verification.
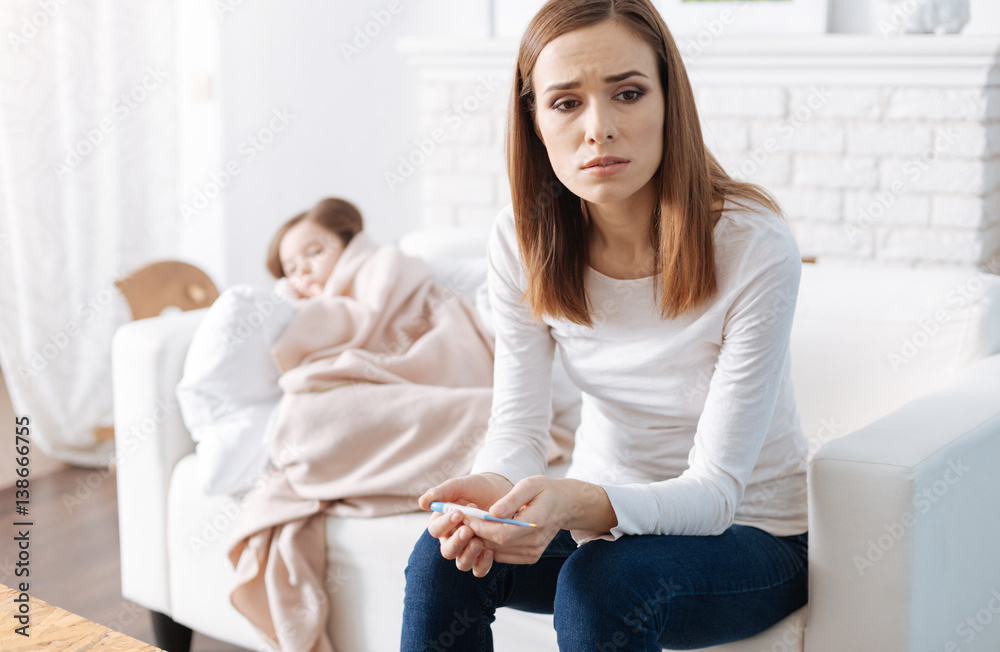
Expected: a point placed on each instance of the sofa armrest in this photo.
(147, 362)
(904, 525)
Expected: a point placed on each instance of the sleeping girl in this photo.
(230, 389)
(307, 247)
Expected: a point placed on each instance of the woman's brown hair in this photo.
(550, 220)
(338, 216)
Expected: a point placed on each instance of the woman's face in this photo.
(600, 111)
(308, 253)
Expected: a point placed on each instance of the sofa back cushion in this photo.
(867, 339)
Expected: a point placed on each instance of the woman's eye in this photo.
(565, 105)
(630, 95)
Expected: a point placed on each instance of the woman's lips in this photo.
(605, 166)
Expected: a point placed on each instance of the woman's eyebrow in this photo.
(610, 79)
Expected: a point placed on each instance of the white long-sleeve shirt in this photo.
(689, 424)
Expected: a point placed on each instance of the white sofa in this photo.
(897, 377)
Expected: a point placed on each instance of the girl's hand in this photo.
(457, 540)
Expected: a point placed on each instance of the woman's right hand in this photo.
(458, 542)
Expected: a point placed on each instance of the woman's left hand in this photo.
(553, 504)
(541, 500)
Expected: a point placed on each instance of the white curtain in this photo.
(88, 170)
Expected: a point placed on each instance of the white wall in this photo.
(985, 17)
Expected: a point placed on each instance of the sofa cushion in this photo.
(866, 340)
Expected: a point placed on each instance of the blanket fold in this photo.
(387, 390)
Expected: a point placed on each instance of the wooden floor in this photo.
(74, 552)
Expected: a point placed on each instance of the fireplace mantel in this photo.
(914, 60)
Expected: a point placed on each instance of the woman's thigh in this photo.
(678, 592)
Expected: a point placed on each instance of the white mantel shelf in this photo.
(862, 60)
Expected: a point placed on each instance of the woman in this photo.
(669, 289)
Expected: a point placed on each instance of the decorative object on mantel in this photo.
(708, 20)
(899, 17)
(894, 17)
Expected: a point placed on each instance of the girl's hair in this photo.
(552, 223)
(338, 216)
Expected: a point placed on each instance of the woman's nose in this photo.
(600, 127)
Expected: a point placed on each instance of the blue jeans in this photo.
(636, 593)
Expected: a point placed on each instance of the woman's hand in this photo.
(457, 539)
(553, 505)
(547, 502)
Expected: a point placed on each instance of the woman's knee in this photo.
(426, 570)
(601, 601)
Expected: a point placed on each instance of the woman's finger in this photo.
(443, 525)
(467, 558)
(483, 563)
(453, 546)
(522, 493)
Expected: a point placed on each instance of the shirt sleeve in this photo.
(517, 436)
(741, 399)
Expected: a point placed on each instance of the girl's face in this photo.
(600, 111)
(308, 254)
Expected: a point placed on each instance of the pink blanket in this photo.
(387, 380)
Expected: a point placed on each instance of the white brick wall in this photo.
(874, 168)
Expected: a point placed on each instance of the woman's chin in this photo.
(605, 194)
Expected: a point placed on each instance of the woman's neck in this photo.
(619, 244)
